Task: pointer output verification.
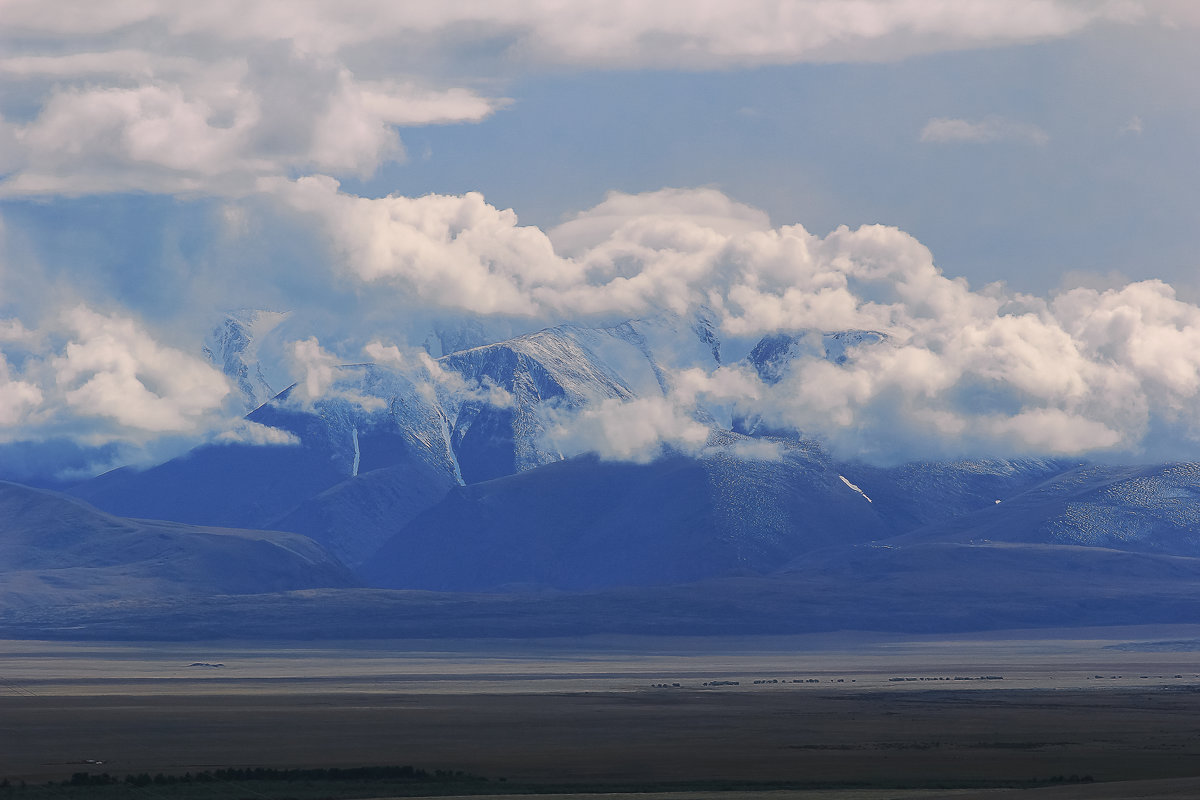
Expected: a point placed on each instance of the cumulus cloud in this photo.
(254, 433)
(708, 208)
(319, 376)
(103, 378)
(459, 252)
(443, 386)
(112, 369)
(454, 251)
(630, 430)
(944, 130)
(214, 128)
(221, 98)
(166, 97)
(18, 399)
(959, 371)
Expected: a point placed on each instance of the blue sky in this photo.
(833, 144)
(159, 166)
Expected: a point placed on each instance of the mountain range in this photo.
(430, 497)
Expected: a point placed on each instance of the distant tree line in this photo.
(405, 773)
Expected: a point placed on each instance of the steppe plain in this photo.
(822, 716)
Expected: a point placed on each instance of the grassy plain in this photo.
(825, 714)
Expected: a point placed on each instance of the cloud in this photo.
(277, 101)
(162, 97)
(448, 388)
(947, 130)
(621, 34)
(112, 369)
(18, 399)
(633, 430)
(254, 433)
(216, 128)
(959, 371)
(458, 252)
(708, 208)
(1133, 127)
(319, 375)
(453, 251)
(102, 379)
(317, 370)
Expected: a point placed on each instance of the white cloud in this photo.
(319, 377)
(317, 370)
(623, 33)
(944, 130)
(18, 399)
(707, 208)
(112, 369)
(1133, 127)
(625, 430)
(457, 252)
(254, 433)
(445, 387)
(168, 97)
(101, 378)
(961, 372)
(14, 331)
(219, 128)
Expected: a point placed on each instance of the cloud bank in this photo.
(103, 377)
(164, 97)
(958, 371)
(272, 105)
(961, 370)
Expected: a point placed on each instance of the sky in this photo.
(1010, 191)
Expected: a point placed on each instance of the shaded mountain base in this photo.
(930, 589)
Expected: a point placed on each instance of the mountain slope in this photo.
(587, 524)
(56, 549)
(372, 419)
(938, 588)
(233, 348)
(1143, 509)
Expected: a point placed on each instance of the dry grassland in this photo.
(589, 713)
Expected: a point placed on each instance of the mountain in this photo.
(921, 493)
(408, 437)
(562, 368)
(56, 549)
(925, 589)
(233, 348)
(772, 357)
(371, 420)
(442, 477)
(1142, 509)
(453, 481)
(585, 524)
(355, 517)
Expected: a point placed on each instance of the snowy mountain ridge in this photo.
(445, 474)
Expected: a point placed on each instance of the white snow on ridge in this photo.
(233, 347)
(846, 481)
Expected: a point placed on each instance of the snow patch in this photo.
(846, 481)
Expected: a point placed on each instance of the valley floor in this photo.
(868, 716)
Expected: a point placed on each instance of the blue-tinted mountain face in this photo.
(57, 550)
(447, 478)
